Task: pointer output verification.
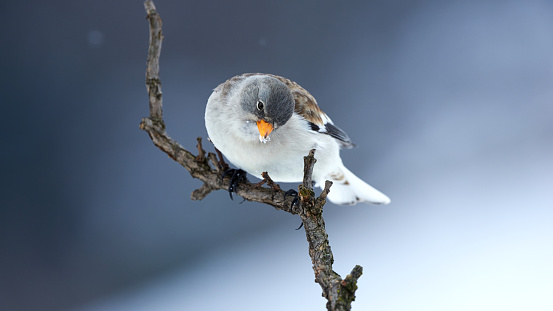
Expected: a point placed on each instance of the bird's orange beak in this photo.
(265, 129)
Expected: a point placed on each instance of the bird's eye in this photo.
(260, 105)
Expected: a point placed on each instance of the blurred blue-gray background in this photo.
(450, 102)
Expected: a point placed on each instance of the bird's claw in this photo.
(295, 201)
(237, 176)
(293, 193)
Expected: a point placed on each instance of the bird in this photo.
(267, 123)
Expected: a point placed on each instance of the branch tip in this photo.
(201, 193)
(270, 182)
(222, 164)
(308, 163)
(326, 190)
(150, 7)
(213, 159)
(201, 152)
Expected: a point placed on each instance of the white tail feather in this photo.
(350, 189)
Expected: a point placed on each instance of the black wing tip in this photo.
(339, 134)
(335, 132)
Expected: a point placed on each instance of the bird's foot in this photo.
(267, 180)
(295, 201)
(293, 193)
(237, 176)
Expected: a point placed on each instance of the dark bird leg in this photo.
(237, 176)
(295, 201)
(293, 193)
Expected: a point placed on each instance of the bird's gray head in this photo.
(269, 100)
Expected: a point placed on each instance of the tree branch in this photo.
(339, 293)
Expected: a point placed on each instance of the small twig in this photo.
(308, 164)
(270, 182)
(261, 183)
(201, 152)
(222, 164)
(213, 160)
(348, 286)
(201, 193)
(326, 190)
